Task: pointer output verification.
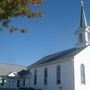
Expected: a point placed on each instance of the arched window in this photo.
(58, 74)
(82, 67)
(35, 77)
(45, 76)
(80, 37)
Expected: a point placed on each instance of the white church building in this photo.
(66, 70)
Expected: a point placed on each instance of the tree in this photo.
(15, 8)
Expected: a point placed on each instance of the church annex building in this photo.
(66, 70)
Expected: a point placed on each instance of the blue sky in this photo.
(49, 34)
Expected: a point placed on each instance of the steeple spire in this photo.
(83, 31)
(83, 20)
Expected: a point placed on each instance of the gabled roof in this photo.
(6, 69)
(23, 73)
(13, 74)
(60, 55)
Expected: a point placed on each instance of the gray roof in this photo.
(60, 55)
(5, 69)
(23, 73)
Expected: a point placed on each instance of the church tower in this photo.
(83, 32)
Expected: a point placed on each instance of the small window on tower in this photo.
(88, 36)
(80, 37)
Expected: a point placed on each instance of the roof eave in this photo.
(59, 60)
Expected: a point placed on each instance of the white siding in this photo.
(66, 77)
(82, 58)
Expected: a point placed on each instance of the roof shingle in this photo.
(5, 69)
(60, 55)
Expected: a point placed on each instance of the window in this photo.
(23, 82)
(82, 67)
(18, 83)
(58, 75)
(35, 77)
(80, 37)
(45, 76)
(88, 36)
(2, 84)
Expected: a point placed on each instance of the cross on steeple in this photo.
(82, 2)
(83, 20)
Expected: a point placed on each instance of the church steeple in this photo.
(83, 20)
(83, 32)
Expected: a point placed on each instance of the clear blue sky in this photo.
(52, 33)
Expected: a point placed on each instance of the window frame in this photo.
(82, 69)
(2, 84)
(18, 83)
(24, 82)
(45, 76)
(80, 37)
(58, 74)
(35, 77)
